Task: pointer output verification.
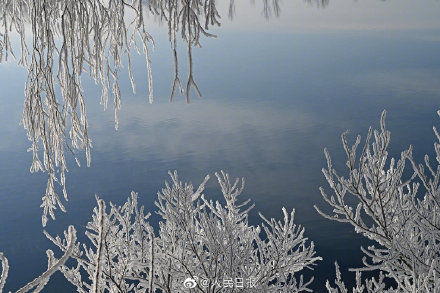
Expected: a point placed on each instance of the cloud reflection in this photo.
(201, 131)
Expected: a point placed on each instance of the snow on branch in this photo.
(196, 239)
(398, 212)
(5, 270)
(53, 265)
(68, 39)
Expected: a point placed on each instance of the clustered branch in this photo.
(68, 39)
(197, 238)
(400, 215)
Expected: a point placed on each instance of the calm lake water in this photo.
(274, 95)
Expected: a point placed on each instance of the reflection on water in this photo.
(70, 38)
(271, 103)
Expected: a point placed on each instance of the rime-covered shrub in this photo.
(400, 215)
(199, 239)
(206, 242)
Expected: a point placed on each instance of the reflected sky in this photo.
(275, 94)
(338, 15)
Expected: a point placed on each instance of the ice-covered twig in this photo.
(43, 278)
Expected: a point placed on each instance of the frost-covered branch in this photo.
(372, 285)
(68, 39)
(197, 238)
(5, 270)
(213, 241)
(53, 265)
(395, 212)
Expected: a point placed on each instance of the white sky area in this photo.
(339, 15)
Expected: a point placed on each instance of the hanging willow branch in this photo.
(70, 38)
